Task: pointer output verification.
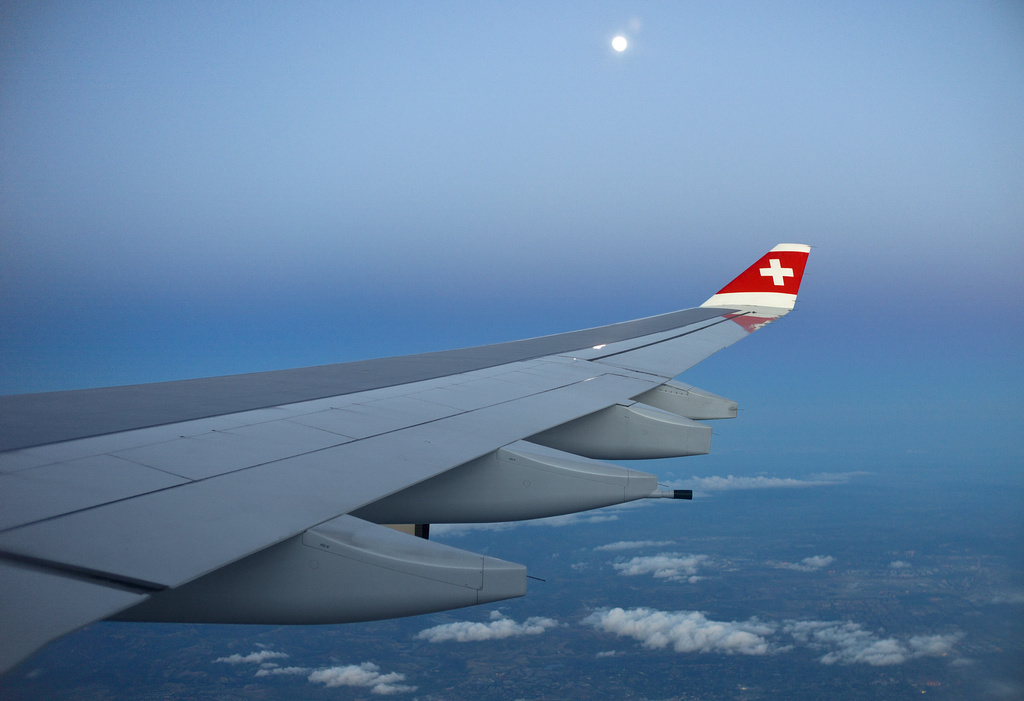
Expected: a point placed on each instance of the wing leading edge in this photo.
(164, 502)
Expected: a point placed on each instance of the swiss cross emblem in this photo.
(776, 272)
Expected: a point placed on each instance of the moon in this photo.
(619, 43)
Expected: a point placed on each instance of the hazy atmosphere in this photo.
(196, 189)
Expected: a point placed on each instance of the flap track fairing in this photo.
(341, 571)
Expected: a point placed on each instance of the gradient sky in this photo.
(192, 189)
(202, 188)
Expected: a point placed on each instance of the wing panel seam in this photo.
(290, 457)
(136, 586)
(669, 338)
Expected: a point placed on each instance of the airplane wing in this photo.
(259, 498)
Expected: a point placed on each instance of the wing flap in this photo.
(37, 606)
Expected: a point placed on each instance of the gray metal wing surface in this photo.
(165, 501)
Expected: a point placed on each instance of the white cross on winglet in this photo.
(776, 272)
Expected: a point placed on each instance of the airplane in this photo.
(296, 496)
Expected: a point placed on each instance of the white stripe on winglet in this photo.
(795, 247)
(777, 300)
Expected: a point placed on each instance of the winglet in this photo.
(772, 281)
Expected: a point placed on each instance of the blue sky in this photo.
(202, 188)
(192, 189)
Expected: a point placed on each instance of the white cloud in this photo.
(672, 566)
(365, 675)
(252, 657)
(838, 642)
(834, 477)
(721, 484)
(932, 645)
(1009, 597)
(685, 631)
(572, 520)
(455, 530)
(607, 653)
(899, 565)
(635, 544)
(274, 670)
(705, 485)
(499, 627)
(848, 643)
(809, 564)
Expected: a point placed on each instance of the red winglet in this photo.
(773, 281)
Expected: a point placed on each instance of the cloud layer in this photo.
(272, 670)
(366, 675)
(838, 642)
(684, 631)
(671, 566)
(849, 643)
(253, 657)
(635, 544)
(499, 627)
(454, 530)
(706, 485)
(809, 564)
